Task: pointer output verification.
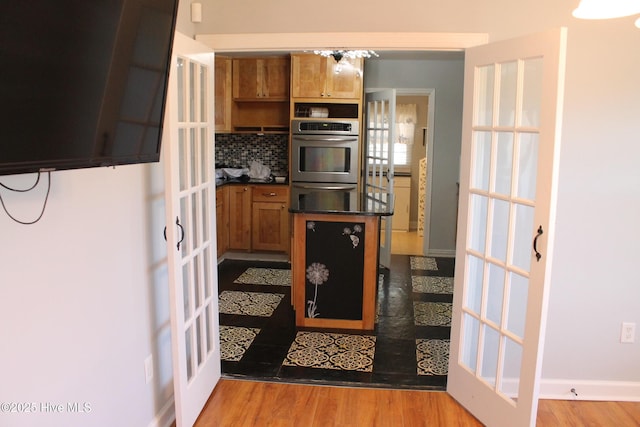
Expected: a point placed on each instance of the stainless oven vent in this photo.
(340, 127)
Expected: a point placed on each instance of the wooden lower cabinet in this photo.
(222, 220)
(239, 217)
(253, 218)
(270, 224)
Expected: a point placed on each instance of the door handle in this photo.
(535, 243)
(182, 231)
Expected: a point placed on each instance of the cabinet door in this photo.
(222, 100)
(247, 79)
(275, 78)
(402, 206)
(270, 226)
(240, 217)
(222, 223)
(344, 79)
(308, 76)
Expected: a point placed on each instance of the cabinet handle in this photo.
(322, 94)
(245, 189)
(535, 243)
(269, 194)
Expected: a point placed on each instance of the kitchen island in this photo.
(334, 259)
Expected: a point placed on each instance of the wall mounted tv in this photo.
(83, 82)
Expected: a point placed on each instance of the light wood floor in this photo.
(406, 243)
(248, 403)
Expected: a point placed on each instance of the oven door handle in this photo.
(325, 187)
(324, 138)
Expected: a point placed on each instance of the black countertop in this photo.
(342, 203)
(237, 181)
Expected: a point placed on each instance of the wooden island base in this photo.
(335, 270)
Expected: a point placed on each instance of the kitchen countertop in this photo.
(237, 181)
(339, 202)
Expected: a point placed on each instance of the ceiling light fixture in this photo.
(339, 54)
(606, 9)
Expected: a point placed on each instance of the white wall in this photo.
(77, 293)
(594, 283)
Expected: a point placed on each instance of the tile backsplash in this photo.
(238, 149)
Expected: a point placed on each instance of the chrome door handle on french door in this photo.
(535, 243)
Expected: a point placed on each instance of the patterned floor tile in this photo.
(265, 276)
(332, 351)
(248, 303)
(432, 284)
(432, 313)
(423, 263)
(432, 356)
(235, 340)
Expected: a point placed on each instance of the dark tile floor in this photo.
(395, 362)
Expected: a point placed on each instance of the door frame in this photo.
(430, 93)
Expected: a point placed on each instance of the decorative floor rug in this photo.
(248, 303)
(265, 276)
(432, 284)
(423, 263)
(235, 340)
(432, 313)
(332, 351)
(432, 356)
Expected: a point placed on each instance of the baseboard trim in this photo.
(166, 416)
(615, 391)
(448, 253)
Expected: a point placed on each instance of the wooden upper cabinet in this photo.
(315, 76)
(222, 100)
(261, 79)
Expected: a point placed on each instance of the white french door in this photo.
(380, 119)
(509, 167)
(191, 229)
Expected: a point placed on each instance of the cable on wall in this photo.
(17, 190)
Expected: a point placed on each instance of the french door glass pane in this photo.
(495, 292)
(484, 102)
(504, 163)
(184, 231)
(508, 90)
(521, 257)
(475, 274)
(204, 145)
(527, 165)
(517, 309)
(196, 282)
(205, 213)
(181, 95)
(510, 380)
(207, 329)
(186, 295)
(469, 343)
(203, 94)
(192, 92)
(531, 92)
(481, 160)
(189, 352)
(207, 273)
(195, 207)
(182, 159)
(199, 339)
(500, 229)
(478, 221)
(193, 152)
(490, 347)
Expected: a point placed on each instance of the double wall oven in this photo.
(324, 157)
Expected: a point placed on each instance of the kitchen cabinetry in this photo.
(270, 212)
(239, 217)
(402, 206)
(315, 76)
(261, 94)
(222, 104)
(264, 79)
(222, 220)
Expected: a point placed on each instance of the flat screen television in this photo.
(83, 82)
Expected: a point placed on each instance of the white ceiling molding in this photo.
(292, 42)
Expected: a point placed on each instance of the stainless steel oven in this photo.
(324, 151)
(334, 196)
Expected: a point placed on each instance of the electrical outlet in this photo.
(148, 369)
(628, 332)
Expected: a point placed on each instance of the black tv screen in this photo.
(83, 82)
